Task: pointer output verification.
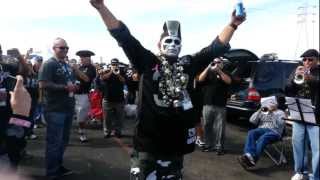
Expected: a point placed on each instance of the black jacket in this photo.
(308, 90)
(163, 130)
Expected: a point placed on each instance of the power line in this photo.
(306, 14)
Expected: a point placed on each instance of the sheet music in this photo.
(306, 108)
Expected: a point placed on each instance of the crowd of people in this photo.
(181, 102)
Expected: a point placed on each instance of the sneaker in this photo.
(106, 134)
(65, 172)
(33, 136)
(298, 176)
(241, 161)
(207, 149)
(245, 162)
(220, 152)
(200, 143)
(83, 138)
(249, 156)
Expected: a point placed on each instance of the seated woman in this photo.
(270, 126)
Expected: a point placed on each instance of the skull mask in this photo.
(170, 46)
(170, 42)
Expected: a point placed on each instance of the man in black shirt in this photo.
(85, 75)
(113, 99)
(57, 80)
(165, 130)
(216, 83)
(132, 82)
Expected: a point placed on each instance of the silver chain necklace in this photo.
(173, 82)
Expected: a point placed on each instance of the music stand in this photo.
(301, 111)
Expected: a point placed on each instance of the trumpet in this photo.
(299, 78)
(265, 110)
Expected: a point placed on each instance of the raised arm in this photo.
(108, 18)
(219, 46)
(140, 57)
(226, 34)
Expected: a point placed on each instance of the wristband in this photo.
(234, 26)
(19, 120)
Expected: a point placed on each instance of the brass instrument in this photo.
(299, 78)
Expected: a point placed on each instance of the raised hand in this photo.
(300, 70)
(20, 99)
(108, 18)
(98, 4)
(237, 20)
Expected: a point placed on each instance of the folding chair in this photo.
(277, 151)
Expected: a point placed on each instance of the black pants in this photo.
(15, 146)
(151, 166)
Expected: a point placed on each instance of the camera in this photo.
(9, 67)
(14, 52)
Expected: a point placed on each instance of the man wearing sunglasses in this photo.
(216, 84)
(165, 130)
(113, 99)
(57, 80)
(304, 133)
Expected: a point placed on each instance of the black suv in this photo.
(255, 78)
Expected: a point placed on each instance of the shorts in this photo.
(82, 107)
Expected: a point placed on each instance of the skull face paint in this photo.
(170, 46)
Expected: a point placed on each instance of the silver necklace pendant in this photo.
(172, 83)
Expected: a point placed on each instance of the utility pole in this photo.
(306, 14)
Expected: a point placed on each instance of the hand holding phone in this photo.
(14, 52)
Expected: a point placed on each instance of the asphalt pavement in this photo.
(109, 159)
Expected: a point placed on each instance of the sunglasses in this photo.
(63, 47)
(307, 59)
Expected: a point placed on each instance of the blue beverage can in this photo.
(239, 9)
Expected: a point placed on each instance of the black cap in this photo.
(85, 53)
(310, 53)
(114, 61)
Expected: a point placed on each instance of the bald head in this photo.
(60, 48)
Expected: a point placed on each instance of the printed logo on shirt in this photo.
(191, 136)
(59, 72)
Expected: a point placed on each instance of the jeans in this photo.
(58, 132)
(38, 114)
(114, 113)
(258, 139)
(301, 136)
(214, 118)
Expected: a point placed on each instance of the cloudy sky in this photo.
(271, 26)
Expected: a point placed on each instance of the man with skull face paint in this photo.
(165, 130)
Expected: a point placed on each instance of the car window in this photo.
(271, 77)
